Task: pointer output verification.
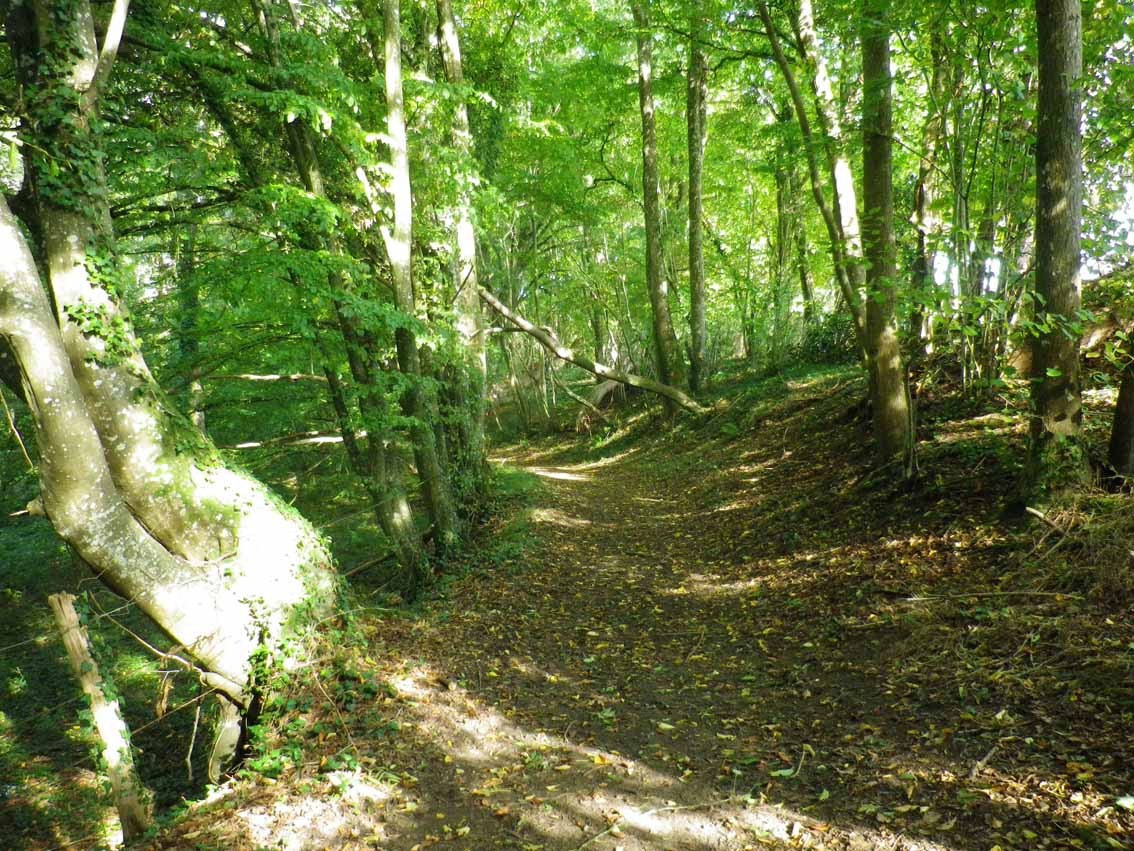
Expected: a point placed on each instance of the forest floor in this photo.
(730, 634)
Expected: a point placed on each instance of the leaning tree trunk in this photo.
(217, 561)
(696, 119)
(667, 354)
(889, 397)
(548, 339)
(1056, 455)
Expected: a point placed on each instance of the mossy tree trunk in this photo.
(219, 563)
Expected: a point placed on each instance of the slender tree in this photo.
(696, 120)
(667, 354)
(1057, 416)
(399, 248)
(889, 397)
(470, 325)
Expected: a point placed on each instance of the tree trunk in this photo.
(696, 115)
(1121, 450)
(376, 463)
(130, 796)
(399, 248)
(827, 110)
(889, 395)
(1056, 456)
(781, 301)
(470, 324)
(850, 291)
(667, 354)
(189, 305)
(206, 551)
(925, 218)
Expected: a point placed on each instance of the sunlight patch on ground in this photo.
(557, 518)
(581, 793)
(711, 586)
(317, 821)
(558, 473)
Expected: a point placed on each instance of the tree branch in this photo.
(547, 338)
(108, 53)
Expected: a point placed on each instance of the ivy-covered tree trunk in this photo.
(218, 562)
(1056, 455)
(667, 353)
(696, 121)
(889, 397)
(399, 249)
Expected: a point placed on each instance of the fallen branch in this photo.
(1035, 512)
(547, 338)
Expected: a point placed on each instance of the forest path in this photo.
(707, 642)
(714, 617)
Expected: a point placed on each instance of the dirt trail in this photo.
(710, 647)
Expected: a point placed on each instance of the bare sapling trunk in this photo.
(130, 797)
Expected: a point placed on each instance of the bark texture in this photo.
(696, 120)
(1056, 392)
(667, 353)
(399, 249)
(889, 396)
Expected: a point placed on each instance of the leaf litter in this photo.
(738, 637)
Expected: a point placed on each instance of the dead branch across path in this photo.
(548, 339)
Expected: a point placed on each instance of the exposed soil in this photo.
(733, 636)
